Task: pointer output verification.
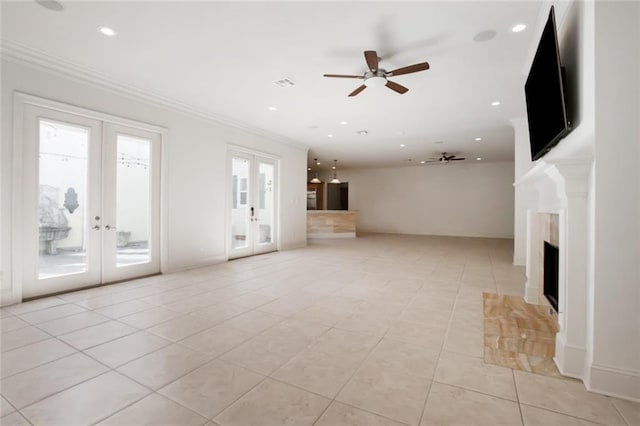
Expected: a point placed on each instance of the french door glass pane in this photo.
(240, 212)
(62, 199)
(265, 203)
(133, 201)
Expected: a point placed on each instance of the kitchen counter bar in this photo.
(331, 224)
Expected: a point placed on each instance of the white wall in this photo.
(467, 199)
(593, 175)
(616, 338)
(196, 166)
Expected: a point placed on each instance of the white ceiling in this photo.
(222, 58)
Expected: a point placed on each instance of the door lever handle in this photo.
(108, 227)
(251, 211)
(96, 227)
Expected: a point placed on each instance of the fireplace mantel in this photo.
(561, 187)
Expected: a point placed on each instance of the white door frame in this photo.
(240, 151)
(92, 201)
(18, 224)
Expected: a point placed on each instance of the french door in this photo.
(253, 204)
(91, 202)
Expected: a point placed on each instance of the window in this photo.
(239, 195)
(243, 192)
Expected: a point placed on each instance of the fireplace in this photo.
(551, 259)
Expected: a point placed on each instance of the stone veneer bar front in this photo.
(331, 224)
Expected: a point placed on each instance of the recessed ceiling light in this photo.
(402, 145)
(422, 162)
(344, 123)
(362, 132)
(333, 167)
(272, 108)
(519, 27)
(484, 36)
(329, 135)
(479, 158)
(107, 31)
(478, 139)
(317, 163)
(56, 6)
(308, 168)
(495, 103)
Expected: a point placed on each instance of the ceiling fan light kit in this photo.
(375, 80)
(378, 77)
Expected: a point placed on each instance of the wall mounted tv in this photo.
(544, 91)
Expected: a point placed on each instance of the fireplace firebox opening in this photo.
(551, 260)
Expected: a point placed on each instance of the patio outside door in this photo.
(253, 208)
(91, 202)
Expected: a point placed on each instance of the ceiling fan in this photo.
(377, 76)
(444, 159)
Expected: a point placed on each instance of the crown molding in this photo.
(24, 55)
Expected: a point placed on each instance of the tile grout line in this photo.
(147, 396)
(624, 418)
(287, 317)
(218, 358)
(515, 386)
(356, 370)
(444, 341)
(19, 414)
(331, 400)
(78, 351)
(109, 370)
(568, 415)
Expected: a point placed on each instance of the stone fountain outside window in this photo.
(54, 225)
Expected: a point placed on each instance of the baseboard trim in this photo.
(569, 359)
(617, 382)
(294, 246)
(531, 294)
(519, 261)
(332, 235)
(7, 297)
(209, 261)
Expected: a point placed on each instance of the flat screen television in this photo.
(544, 92)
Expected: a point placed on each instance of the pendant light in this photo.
(315, 179)
(335, 172)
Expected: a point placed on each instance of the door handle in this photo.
(252, 211)
(108, 227)
(96, 227)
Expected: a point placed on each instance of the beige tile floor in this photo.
(381, 330)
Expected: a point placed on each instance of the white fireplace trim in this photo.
(562, 188)
(569, 359)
